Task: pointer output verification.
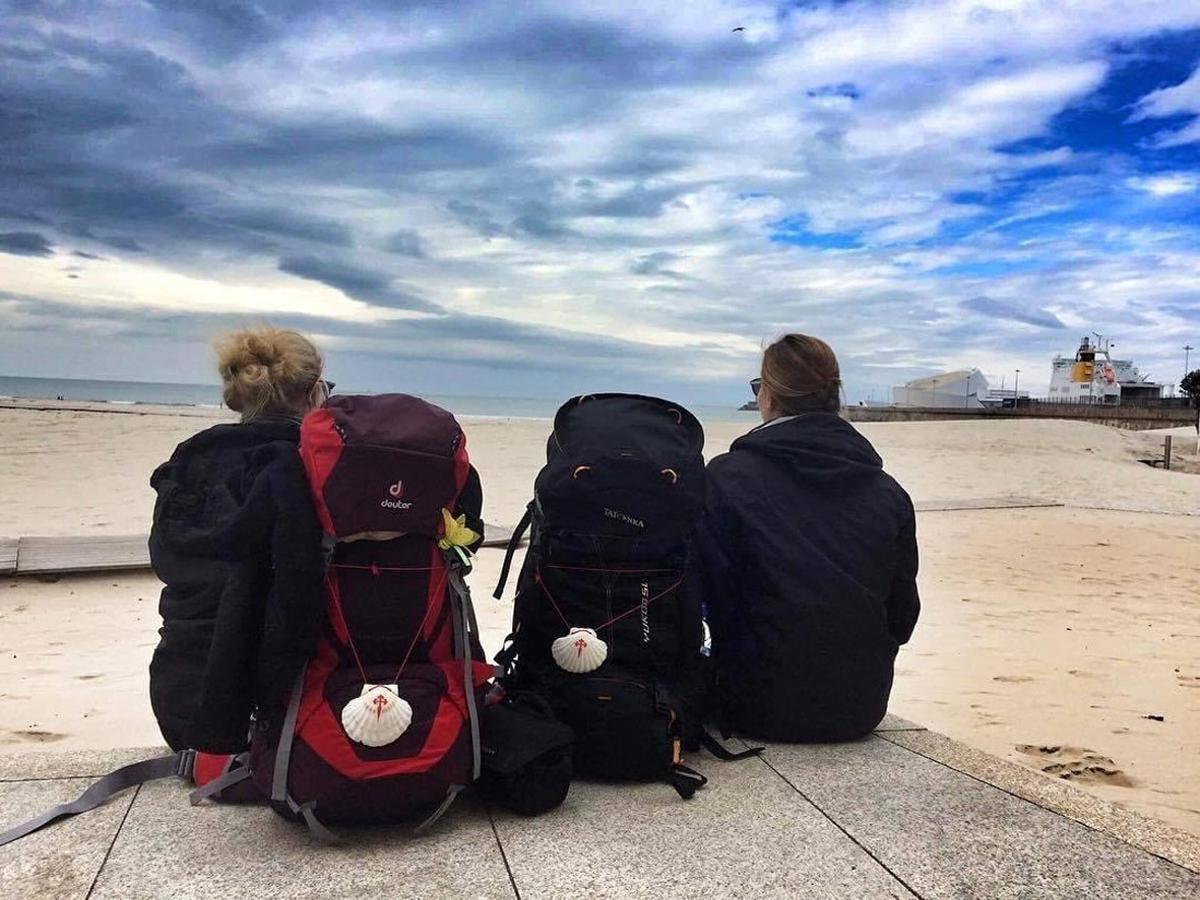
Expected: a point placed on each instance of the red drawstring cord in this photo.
(537, 576)
(421, 630)
(609, 571)
(335, 596)
(375, 568)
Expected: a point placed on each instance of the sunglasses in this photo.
(755, 385)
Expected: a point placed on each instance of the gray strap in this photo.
(283, 753)
(462, 606)
(103, 789)
(315, 828)
(441, 810)
(214, 787)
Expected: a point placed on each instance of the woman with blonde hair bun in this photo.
(270, 372)
(237, 545)
(808, 561)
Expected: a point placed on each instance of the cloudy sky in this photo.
(535, 199)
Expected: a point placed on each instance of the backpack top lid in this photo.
(623, 466)
(383, 465)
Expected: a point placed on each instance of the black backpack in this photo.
(605, 624)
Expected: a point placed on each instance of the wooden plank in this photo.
(115, 552)
(90, 553)
(8, 555)
(497, 535)
(983, 503)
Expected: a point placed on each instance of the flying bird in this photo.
(740, 28)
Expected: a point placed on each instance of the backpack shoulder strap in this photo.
(179, 764)
(463, 616)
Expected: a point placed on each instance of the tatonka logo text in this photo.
(624, 517)
(397, 491)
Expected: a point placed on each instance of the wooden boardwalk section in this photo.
(984, 503)
(72, 555)
(8, 555)
(122, 552)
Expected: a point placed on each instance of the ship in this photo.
(1094, 376)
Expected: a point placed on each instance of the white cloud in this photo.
(1167, 185)
(1170, 101)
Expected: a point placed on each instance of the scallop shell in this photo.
(378, 716)
(579, 651)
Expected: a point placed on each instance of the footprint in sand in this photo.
(1012, 679)
(1075, 764)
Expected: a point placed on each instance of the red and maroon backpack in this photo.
(382, 726)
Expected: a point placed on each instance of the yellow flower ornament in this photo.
(457, 533)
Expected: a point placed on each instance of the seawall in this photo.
(1134, 418)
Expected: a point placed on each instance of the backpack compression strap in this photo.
(720, 751)
(685, 780)
(113, 783)
(513, 544)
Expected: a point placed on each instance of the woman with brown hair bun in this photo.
(237, 545)
(808, 561)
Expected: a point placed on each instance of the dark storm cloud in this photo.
(638, 203)
(654, 264)
(405, 243)
(476, 218)
(575, 53)
(354, 281)
(287, 223)
(999, 309)
(467, 340)
(25, 243)
(357, 151)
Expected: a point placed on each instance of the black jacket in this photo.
(808, 562)
(237, 545)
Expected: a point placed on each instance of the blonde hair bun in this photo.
(267, 370)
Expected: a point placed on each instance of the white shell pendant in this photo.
(378, 716)
(579, 651)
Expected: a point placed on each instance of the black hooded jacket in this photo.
(237, 545)
(808, 561)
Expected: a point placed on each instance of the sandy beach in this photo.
(1066, 638)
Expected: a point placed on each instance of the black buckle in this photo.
(186, 764)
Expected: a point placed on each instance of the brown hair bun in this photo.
(802, 375)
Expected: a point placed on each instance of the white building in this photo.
(964, 389)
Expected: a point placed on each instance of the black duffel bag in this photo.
(526, 754)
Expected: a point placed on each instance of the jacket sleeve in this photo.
(470, 504)
(294, 603)
(904, 603)
(716, 551)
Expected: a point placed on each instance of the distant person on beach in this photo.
(808, 561)
(237, 545)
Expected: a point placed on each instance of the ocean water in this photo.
(149, 392)
(111, 391)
